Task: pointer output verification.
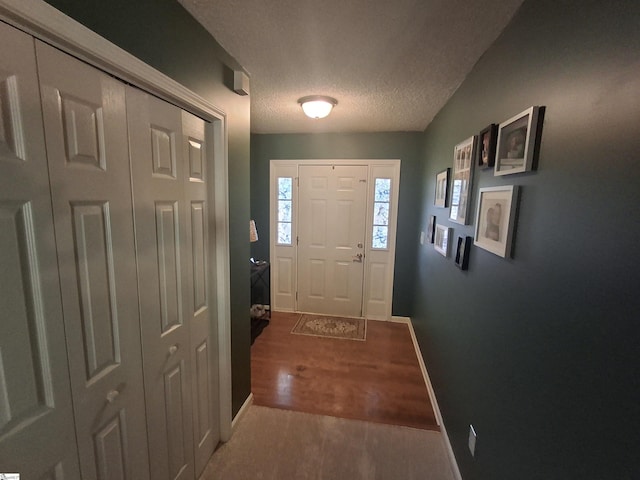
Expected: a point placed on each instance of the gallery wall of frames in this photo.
(508, 148)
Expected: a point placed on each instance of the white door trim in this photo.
(51, 26)
(377, 295)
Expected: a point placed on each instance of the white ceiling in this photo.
(391, 64)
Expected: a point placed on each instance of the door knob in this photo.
(173, 349)
(358, 258)
(111, 396)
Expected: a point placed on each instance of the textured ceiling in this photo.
(390, 64)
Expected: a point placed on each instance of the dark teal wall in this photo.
(541, 352)
(162, 34)
(398, 145)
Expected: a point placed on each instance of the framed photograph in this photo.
(486, 147)
(442, 189)
(495, 219)
(461, 179)
(518, 139)
(462, 252)
(442, 236)
(431, 228)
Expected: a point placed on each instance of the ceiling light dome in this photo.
(317, 106)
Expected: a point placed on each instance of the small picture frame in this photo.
(495, 219)
(441, 242)
(462, 177)
(442, 189)
(431, 228)
(518, 139)
(486, 147)
(462, 252)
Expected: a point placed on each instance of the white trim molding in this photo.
(432, 396)
(379, 263)
(48, 24)
(242, 412)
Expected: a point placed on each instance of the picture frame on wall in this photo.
(517, 143)
(486, 147)
(442, 189)
(463, 245)
(495, 219)
(431, 228)
(441, 242)
(461, 179)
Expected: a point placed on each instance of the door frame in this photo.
(48, 24)
(378, 264)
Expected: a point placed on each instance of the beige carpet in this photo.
(333, 327)
(273, 444)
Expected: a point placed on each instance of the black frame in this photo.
(447, 171)
(492, 132)
(463, 245)
(431, 228)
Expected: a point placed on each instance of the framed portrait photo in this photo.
(461, 257)
(431, 228)
(461, 179)
(442, 189)
(486, 147)
(441, 242)
(495, 219)
(517, 143)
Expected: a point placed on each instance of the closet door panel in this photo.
(36, 419)
(86, 138)
(206, 424)
(163, 254)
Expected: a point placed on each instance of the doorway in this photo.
(332, 241)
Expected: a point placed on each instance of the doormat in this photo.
(332, 327)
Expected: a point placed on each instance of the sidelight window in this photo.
(285, 209)
(381, 204)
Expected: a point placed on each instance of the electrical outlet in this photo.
(421, 238)
(472, 440)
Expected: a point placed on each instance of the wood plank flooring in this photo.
(378, 380)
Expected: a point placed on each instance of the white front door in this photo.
(331, 238)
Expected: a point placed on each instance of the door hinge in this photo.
(297, 240)
(296, 296)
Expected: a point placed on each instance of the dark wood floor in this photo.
(378, 380)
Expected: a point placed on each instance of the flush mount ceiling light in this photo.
(317, 106)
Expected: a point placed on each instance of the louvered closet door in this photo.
(206, 422)
(155, 133)
(86, 136)
(36, 419)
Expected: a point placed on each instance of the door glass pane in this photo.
(284, 210)
(285, 187)
(284, 233)
(380, 235)
(381, 215)
(382, 189)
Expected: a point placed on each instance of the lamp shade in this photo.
(253, 232)
(317, 106)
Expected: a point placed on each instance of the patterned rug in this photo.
(333, 327)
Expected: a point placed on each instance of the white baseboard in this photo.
(395, 319)
(243, 410)
(432, 396)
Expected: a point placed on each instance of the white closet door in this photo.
(86, 136)
(37, 438)
(206, 422)
(156, 143)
